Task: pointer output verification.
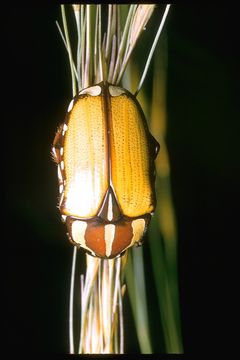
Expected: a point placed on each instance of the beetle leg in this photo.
(155, 146)
(57, 147)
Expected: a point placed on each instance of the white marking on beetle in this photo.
(61, 188)
(138, 227)
(116, 90)
(70, 106)
(62, 165)
(59, 174)
(78, 234)
(110, 208)
(61, 199)
(64, 129)
(93, 91)
(109, 233)
(54, 151)
(64, 217)
(61, 151)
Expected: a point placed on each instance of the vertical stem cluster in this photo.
(101, 303)
(103, 53)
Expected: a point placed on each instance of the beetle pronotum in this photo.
(105, 156)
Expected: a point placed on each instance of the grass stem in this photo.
(71, 301)
(153, 49)
(68, 43)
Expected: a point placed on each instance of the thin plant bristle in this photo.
(153, 48)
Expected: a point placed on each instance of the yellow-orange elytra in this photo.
(105, 155)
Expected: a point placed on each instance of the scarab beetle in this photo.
(105, 156)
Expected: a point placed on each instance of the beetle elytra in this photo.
(105, 156)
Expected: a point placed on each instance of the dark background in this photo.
(203, 141)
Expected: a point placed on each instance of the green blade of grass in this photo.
(135, 280)
(164, 248)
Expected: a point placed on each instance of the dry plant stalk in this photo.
(101, 304)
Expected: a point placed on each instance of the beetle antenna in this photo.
(152, 49)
